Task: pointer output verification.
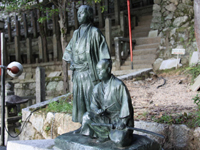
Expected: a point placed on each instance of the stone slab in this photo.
(194, 59)
(134, 74)
(170, 63)
(55, 74)
(153, 33)
(196, 84)
(31, 145)
(70, 141)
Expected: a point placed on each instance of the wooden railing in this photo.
(122, 50)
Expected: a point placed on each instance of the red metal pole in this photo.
(130, 34)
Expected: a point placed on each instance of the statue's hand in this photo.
(120, 126)
(100, 111)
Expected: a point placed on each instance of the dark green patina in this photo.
(98, 96)
(86, 48)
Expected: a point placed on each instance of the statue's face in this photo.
(102, 71)
(82, 15)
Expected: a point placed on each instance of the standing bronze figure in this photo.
(86, 48)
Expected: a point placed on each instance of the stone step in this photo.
(136, 66)
(146, 46)
(142, 57)
(141, 28)
(140, 34)
(144, 51)
(144, 23)
(140, 61)
(147, 40)
(144, 18)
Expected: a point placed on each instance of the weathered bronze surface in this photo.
(110, 104)
(197, 22)
(98, 96)
(85, 49)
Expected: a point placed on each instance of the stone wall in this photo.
(25, 84)
(49, 125)
(174, 20)
(43, 125)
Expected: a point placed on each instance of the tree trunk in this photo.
(197, 23)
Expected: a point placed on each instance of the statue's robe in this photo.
(84, 53)
(116, 101)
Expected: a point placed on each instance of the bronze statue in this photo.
(85, 49)
(110, 104)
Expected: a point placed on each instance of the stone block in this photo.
(170, 63)
(29, 75)
(178, 21)
(55, 74)
(171, 7)
(174, 1)
(157, 1)
(156, 7)
(31, 145)
(70, 141)
(194, 59)
(153, 33)
(162, 129)
(157, 63)
(22, 76)
(59, 86)
(180, 136)
(196, 84)
(169, 16)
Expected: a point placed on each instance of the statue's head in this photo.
(104, 68)
(85, 14)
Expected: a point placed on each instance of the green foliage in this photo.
(193, 71)
(47, 128)
(63, 105)
(174, 119)
(196, 100)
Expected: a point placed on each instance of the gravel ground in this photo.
(174, 97)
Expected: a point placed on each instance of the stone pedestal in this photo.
(69, 141)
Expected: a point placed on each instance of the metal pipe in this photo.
(130, 33)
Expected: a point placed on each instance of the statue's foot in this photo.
(101, 140)
(77, 131)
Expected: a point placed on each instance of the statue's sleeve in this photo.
(126, 106)
(67, 56)
(101, 45)
(94, 106)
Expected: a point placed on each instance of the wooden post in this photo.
(117, 53)
(40, 46)
(17, 49)
(34, 24)
(55, 48)
(25, 26)
(108, 33)
(117, 11)
(40, 84)
(122, 23)
(75, 16)
(17, 26)
(101, 22)
(5, 50)
(65, 76)
(29, 50)
(9, 30)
